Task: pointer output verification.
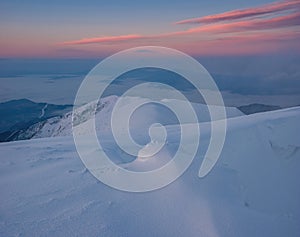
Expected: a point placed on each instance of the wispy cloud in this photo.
(245, 13)
(106, 39)
(211, 29)
(226, 27)
(248, 25)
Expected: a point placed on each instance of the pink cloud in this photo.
(248, 25)
(256, 43)
(106, 39)
(257, 24)
(244, 13)
(254, 34)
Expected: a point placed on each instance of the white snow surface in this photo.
(62, 126)
(252, 191)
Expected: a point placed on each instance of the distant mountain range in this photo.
(18, 115)
(25, 119)
(257, 108)
(49, 125)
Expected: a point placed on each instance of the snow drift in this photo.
(252, 191)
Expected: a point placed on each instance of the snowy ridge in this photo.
(62, 126)
(252, 191)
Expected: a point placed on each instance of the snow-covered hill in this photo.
(62, 126)
(18, 115)
(252, 191)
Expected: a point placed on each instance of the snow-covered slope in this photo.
(252, 191)
(62, 126)
(18, 115)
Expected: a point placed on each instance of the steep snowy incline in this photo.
(61, 126)
(252, 191)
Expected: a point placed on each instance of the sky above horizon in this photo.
(250, 47)
(87, 29)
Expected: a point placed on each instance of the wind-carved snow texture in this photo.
(252, 191)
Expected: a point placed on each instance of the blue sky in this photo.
(40, 28)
